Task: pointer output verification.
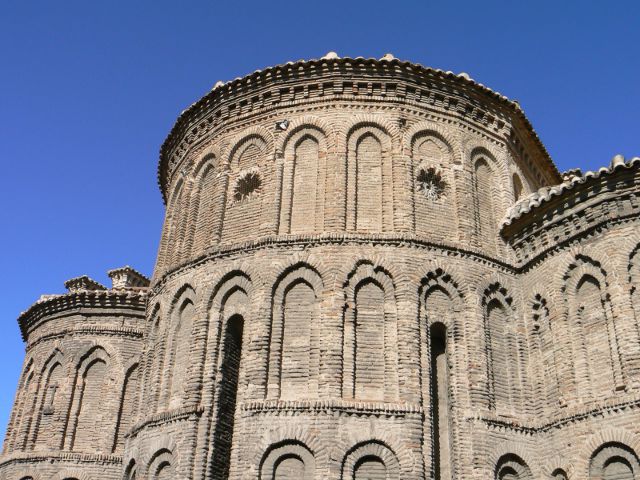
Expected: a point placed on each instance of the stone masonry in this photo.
(369, 270)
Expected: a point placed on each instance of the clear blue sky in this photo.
(89, 90)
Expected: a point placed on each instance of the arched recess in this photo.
(503, 350)
(544, 362)
(131, 472)
(370, 461)
(90, 425)
(370, 338)
(248, 178)
(161, 466)
(596, 360)
(174, 224)
(23, 410)
(614, 461)
(559, 474)
(634, 280)
(127, 407)
(303, 181)
(440, 302)
(512, 467)
(230, 307)
(288, 460)
(432, 179)
(156, 354)
(177, 358)
(204, 211)
(369, 180)
(294, 351)
(486, 200)
(51, 406)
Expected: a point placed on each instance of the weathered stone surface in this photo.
(368, 270)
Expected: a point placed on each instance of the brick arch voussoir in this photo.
(431, 129)
(293, 434)
(247, 135)
(157, 447)
(597, 440)
(406, 461)
(505, 449)
(378, 269)
(297, 268)
(56, 356)
(583, 262)
(556, 463)
(228, 281)
(497, 289)
(300, 125)
(74, 473)
(209, 156)
(183, 293)
(373, 122)
(98, 349)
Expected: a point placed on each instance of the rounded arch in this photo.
(290, 455)
(368, 121)
(370, 451)
(430, 129)
(512, 467)
(294, 355)
(302, 186)
(255, 134)
(304, 123)
(161, 466)
(370, 326)
(614, 461)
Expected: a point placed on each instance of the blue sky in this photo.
(89, 90)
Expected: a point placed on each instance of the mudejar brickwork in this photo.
(369, 269)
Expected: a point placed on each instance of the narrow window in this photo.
(440, 402)
(230, 368)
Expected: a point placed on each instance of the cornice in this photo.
(52, 304)
(189, 126)
(49, 457)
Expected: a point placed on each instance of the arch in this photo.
(294, 353)
(288, 460)
(503, 347)
(590, 319)
(206, 202)
(51, 405)
(24, 406)
(177, 361)
(544, 361)
(633, 269)
(127, 406)
(432, 184)
(255, 134)
(248, 170)
(485, 193)
(376, 458)
(131, 471)
(369, 206)
(161, 466)
(614, 461)
(92, 389)
(230, 369)
(155, 361)
(512, 467)
(303, 184)
(426, 128)
(370, 309)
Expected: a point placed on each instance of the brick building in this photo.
(369, 269)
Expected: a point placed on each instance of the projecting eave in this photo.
(527, 209)
(331, 62)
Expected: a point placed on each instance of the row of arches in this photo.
(69, 405)
(378, 188)
(558, 346)
(610, 461)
